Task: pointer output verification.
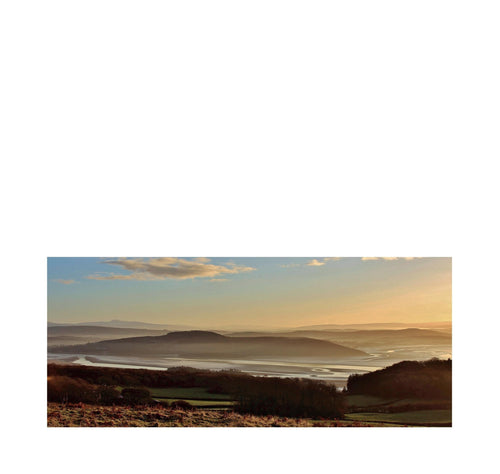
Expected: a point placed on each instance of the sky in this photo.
(249, 292)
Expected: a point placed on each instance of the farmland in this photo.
(367, 408)
(193, 393)
(81, 415)
(96, 396)
(416, 418)
(195, 396)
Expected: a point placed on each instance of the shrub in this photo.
(70, 390)
(137, 396)
(182, 404)
(108, 395)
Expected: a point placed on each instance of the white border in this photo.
(262, 128)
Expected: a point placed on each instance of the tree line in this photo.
(429, 379)
(255, 395)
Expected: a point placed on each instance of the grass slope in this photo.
(421, 417)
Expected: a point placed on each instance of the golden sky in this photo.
(250, 292)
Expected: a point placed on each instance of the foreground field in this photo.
(74, 415)
(196, 396)
(407, 393)
(192, 393)
(422, 417)
(409, 411)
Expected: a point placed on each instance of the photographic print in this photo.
(249, 342)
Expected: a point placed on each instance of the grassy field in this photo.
(216, 410)
(416, 401)
(193, 393)
(196, 396)
(200, 403)
(355, 401)
(420, 417)
(366, 408)
(80, 415)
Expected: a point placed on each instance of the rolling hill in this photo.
(362, 339)
(210, 344)
(116, 323)
(436, 325)
(65, 335)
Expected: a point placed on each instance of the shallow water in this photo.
(319, 370)
(334, 372)
(84, 361)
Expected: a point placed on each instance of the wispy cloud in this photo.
(218, 279)
(167, 267)
(65, 282)
(318, 263)
(315, 263)
(389, 258)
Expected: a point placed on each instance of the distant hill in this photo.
(210, 344)
(441, 325)
(116, 323)
(63, 335)
(365, 338)
(97, 330)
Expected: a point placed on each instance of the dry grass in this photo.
(65, 415)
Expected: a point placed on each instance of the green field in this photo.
(423, 417)
(417, 401)
(191, 393)
(196, 396)
(199, 397)
(365, 401)
(199, 403)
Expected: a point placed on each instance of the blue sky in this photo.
(274, 292)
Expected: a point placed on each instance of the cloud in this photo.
(319, 263)
(315, 263)
(162, 268)
(65, 282)
(312, 263)
(218, 279)
(389, 258)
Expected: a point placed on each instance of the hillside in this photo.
(429, 379)
(211, 344)
(116, 323)
(63, 335)
(436, 325)
(156, 416)
(99, 330)
(365, 338)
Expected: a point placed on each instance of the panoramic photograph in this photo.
(249, 342)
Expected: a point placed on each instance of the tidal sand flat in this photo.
(337, 373)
